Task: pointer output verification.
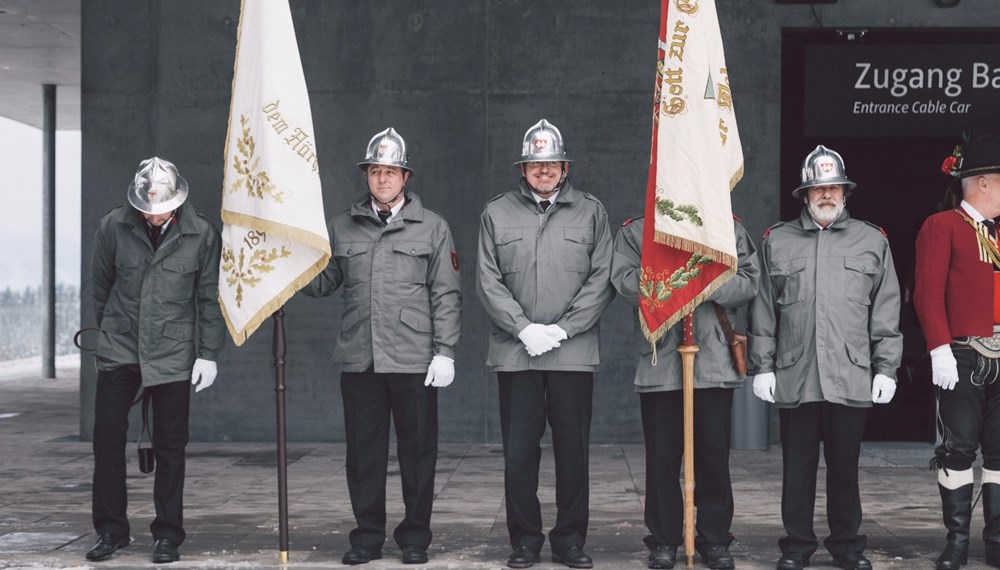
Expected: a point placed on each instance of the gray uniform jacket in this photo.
(713, 365)
(159, 309)
(827, 313)
(544, 268)
(402, 289)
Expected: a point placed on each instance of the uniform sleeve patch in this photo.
(454, 259)
(627, 222)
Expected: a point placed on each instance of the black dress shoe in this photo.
(717, 557)
(792, 561)
(573, 557)
(107, 544)
(523, 557)
(361, 554)
(165, 551)
(414, 555)
(663, 557)
(853, 561)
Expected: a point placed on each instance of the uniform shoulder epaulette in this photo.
(630, 220)
(497, 197)
(737, 218)
(877, 227)
(767, 232)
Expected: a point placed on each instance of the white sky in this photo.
(21, 206)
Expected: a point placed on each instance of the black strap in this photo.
(145, 416)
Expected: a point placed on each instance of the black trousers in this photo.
(663, 429)
(527, 399)
(116, 390)
(370, 399)
(971, 415)
(840, 428)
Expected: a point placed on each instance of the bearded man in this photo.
(824, 322)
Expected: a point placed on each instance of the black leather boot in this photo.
(991, 513)
(956, 506)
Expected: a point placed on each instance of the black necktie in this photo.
(991, 227)
(545, 204)
(384, 215)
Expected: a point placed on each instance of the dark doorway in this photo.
(899, 184)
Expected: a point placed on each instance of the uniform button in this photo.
(413, 252)
(181, 268)
(349, 252)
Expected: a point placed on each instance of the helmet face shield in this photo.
(387, 148)
(822, 167)
(157, 188)
(543, 143)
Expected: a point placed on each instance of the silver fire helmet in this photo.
(157, 187)
(543, 143)
(823, 166)
(387, 148)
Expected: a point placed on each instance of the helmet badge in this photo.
(541, 143)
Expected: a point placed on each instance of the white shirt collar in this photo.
(395, 209)
(976, 216)
(551, 199)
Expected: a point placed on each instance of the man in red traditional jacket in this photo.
(956, 301)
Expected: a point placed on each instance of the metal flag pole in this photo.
(279, 396)
(688, 349)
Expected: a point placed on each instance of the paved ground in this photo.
(231, 516)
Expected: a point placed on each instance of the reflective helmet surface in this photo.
(157, 188)
(387, 148)
(823, 166)
(543, 143)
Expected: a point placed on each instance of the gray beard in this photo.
(825, 215)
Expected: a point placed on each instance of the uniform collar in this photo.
(973, 213)
(412, 209)
(565, 195)
(185, 218)
(808, 223)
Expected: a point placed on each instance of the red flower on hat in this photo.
(953, 164)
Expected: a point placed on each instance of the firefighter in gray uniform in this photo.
(400, 327)
(155, 284)
(543, 277)
(825, 320)
(662, 406)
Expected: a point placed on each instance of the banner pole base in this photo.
(283, 557)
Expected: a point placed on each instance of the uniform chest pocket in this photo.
(510, 247)
(789, 279)
(860, 279)
(352, 258)
(579, 244)
(128, 275)
(179, 278)
(411, 260)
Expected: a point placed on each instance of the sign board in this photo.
(930, 90)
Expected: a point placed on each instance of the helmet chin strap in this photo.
(391, 200)
(547, 193)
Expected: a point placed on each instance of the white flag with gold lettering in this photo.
(274, 239)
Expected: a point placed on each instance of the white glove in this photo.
(883, 389)
(944, 367)
(203, 374)
(537, 340)
(441, 372)
(763, 386)
(556, 332)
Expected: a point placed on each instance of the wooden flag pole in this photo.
(279, 395)
(688, 349)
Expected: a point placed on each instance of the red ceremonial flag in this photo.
(688, 244)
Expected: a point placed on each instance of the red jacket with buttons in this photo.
(954, 288)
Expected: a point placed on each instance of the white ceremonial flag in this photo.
(274, 239)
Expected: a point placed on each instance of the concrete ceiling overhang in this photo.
(40, 44)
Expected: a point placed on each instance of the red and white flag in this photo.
(274, 238)
(688, 244)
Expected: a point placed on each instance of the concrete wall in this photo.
(461, 80)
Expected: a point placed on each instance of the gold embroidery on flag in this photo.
(244, 272)
(247, 164)
(677, 212)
